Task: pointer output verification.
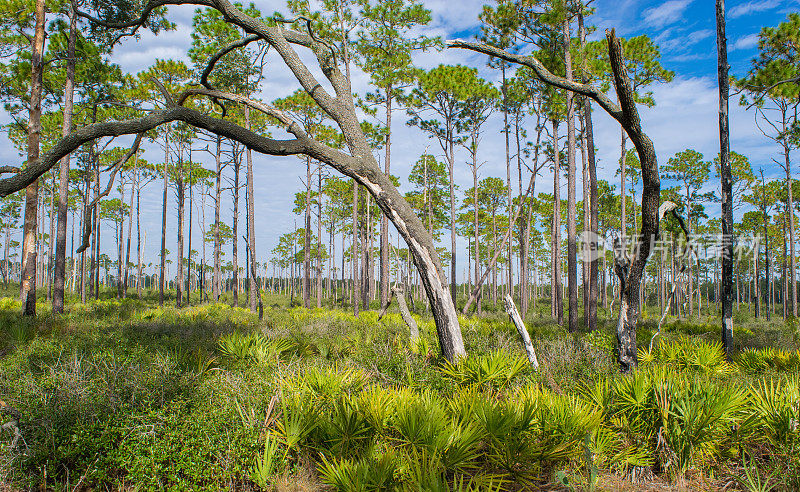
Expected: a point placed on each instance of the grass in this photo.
(124, 395)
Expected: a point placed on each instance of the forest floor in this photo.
(125, 395)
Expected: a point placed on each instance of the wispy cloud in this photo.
(746, 42)
(752, 7)
(666, 13)
(673, 43)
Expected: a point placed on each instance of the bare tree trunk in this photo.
(400, 294)
(181, 205)
(622, 185)
(217, 280)
(251, 232)
(450, 170)
(319, 236)
(96, 223)
(506, 129)
(63, 182)
(235, 257)
(556, 301)
(591, 317)
(572, 249)
(134, 185)
(163, 223)
(356, 287)
(790, 207)
(139, 279)
(120, 255)
(28, 255)
(307, 239)
(475, 228)
(384, 248)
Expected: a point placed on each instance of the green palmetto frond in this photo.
(495, 369)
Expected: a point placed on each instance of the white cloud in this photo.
(746, 42)
(751, 7)
(672, 42)
(666, 13)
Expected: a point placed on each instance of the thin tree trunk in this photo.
(28, 255)
(319, 236)
(181, 206)
(557, 303)
(217, 280)
(307, 239)
(384, 248)
(251, 232)
(235, 257)
(163, 223)
(572, 249)
(790, 208)
(63, 182)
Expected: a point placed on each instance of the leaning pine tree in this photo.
(356, 161)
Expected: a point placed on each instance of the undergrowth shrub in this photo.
(209, 398)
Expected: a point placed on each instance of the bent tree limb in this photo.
(358, 164)
(474, 295)
(627, 115)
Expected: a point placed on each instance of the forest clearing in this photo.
(519, 245)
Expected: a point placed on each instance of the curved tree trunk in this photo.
(358, 163)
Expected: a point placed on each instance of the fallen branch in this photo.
(400, 294)
(511, 309)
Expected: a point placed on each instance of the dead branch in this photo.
(511, 309)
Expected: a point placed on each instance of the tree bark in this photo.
(179, 184)
(251, 232)
(318, 270)
(307, 239)
(63, 182)
(163, 223)
(356, 290)
(572, 249)
(556, 300)
(237, 164)
(477, 253)
(384, 249)
(217, 280)
(28, 255)
(591, 316)
(790, 207)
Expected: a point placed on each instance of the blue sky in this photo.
(685, 115)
